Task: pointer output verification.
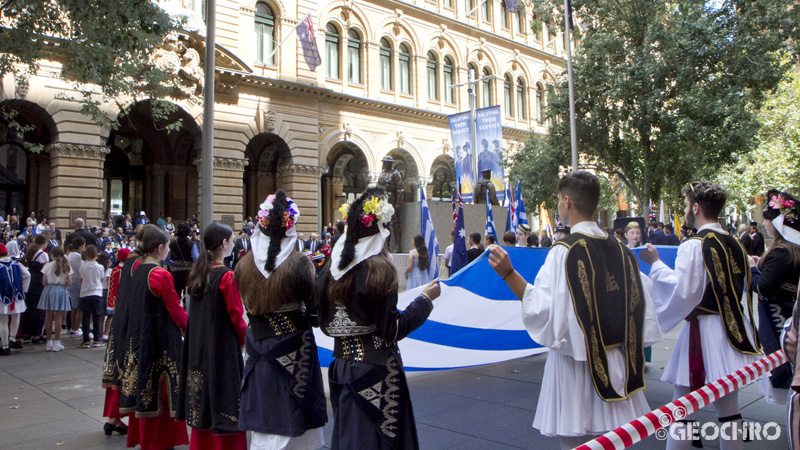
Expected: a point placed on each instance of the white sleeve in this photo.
(652, 331)
(547, 310)
(677, 292)
(26, 277)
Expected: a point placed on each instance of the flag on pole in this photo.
(490, 229)
(569, 15)
(430, 237)
(305, 32)
(522, 217)
(511, 217)
(511, 5)
(459, 258)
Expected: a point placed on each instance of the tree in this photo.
(666, 92)
(774, 162)
(104, 46)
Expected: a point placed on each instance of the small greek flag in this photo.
(430, 237)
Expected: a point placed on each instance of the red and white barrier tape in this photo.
(648, 424)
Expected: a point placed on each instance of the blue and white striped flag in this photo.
(490, 228)
(430, 237)
(476, 319)
(522, 217)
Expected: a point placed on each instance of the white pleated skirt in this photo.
(19, 308)
(569, 405)
(310, 440)
(719, 358)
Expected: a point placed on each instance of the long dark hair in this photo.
(424, 256)
(381, 279)
(355, 229)
(214, 237)
(290, 282)
(275, 229)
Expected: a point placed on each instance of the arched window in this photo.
(332, 51)
(478, 86)
(488, 88)
(265, 33)
(353, 57)
(539, 103)
(507, 96)
(405, 70)
(522, 27)
(504, 15)
(521, 106)
(433, 77)
(448, 80)
(386, 65)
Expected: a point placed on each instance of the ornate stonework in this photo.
(224, 163)
(60, 149)
(303, 170)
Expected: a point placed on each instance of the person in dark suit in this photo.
(669, 237)
(242, 244)
(757, 238)
(56, 232)
(301, 245)
(744, 238)
(313, 244)
(658, 237)
(338, 231)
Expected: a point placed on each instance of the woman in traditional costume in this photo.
(282, 396)
(211, 367)
(144, 348)
(775, 277)
(357, 300)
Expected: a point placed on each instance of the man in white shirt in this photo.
(594, 380)
(713, 344)
(448, 252)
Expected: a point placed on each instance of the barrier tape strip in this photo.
(660, 418)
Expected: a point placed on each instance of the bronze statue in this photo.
(392, 182)
(485, 185)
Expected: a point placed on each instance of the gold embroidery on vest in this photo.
(611, 283)
(598, 365)
(730, 321)
(630, 347)
(634, 290)
(587, 292)
(130, 374)
(718, 270)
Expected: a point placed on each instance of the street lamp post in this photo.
(207, 193)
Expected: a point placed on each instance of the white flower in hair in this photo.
(387, 211)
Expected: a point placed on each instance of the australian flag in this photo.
(511, 5)
(430, 237)
(459, 258)
(511, 218)
(490, 229)
(305, 32)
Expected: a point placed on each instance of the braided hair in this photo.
(275, 230)
(355, 229)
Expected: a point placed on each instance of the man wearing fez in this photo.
(392, 183)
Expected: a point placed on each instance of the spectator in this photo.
(757, 246)
(162, 221)
(448, 252)
(633, 235)
(533, 240)
(545, 240)
(523, 231)
(80, 230)
(169, 226)
(562, 231)
(476, 249)
(669, 236)
(509, 238)
(142, 219)
(488, 240)
(620, 235)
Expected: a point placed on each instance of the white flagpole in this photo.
(288, 35)
(573, 135)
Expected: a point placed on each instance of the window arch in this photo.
(504, 15)
(433, 76)
(386, 64)
(353, 57)
(405, 69)
(507, 107)
(520, 23)
(449, 80)
(265, 33)
(332, 51)
(521, 104)
(539, 103)
(488, 88)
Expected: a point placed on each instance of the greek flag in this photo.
(490, 229)
(430, 237)
(522, 217)
(476, 319)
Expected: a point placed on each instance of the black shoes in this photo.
(15, 345)
(5, 351)
(109, 428)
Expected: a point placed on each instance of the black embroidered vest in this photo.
(607, 294)
(728, 271)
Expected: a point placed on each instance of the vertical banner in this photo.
(490, 153)
(462, 153)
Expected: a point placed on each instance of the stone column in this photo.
(158, 192)
(76, 187)
(228, 189)
(302, 183)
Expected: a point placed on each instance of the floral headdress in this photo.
(375, 209)
(289, 216)
(783, 210)
(367, 220)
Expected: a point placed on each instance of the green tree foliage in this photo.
(665, 92)
(774, 162)
(103, 46)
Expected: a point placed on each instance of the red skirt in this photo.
(206, 440)
(111, 405)
(157, 433)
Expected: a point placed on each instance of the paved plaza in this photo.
(54, 401)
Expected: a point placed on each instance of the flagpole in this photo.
(207, 158)
(288, 35)
(572, 132)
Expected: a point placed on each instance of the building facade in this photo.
(385, 87)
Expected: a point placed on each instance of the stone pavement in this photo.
(54, 401)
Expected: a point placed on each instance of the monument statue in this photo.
(485, 185)
(392, 182)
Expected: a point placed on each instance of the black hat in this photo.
(561, 228)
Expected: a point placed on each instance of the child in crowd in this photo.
(14, 282)
(55, 297)
(211, 366)
(91, 297)
(104, 260)
(75, 258)
(113, 287)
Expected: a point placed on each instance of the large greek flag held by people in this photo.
(430, 237)
(476, 320)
